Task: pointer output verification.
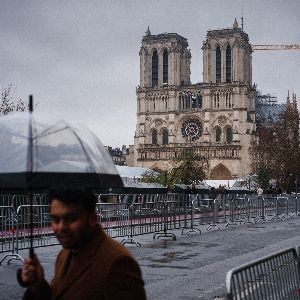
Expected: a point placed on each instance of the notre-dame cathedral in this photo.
(216, 118)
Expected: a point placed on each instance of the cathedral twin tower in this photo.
(215, 118)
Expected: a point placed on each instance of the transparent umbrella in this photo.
(39, 152)
(52, 153)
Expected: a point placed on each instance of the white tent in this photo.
(216, 183)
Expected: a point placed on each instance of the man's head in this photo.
(73, 216)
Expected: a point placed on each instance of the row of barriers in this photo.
(276, 276)
(133, 215)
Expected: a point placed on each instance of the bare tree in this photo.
(277, 149)
(9, 101)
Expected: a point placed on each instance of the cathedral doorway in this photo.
(220, 172)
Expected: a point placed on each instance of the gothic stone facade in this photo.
(216, 118)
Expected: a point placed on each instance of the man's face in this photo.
(72, 225)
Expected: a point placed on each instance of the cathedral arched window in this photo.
(196, 102)
(218, 135)
(228, 100)
(218, 64)
(199, 98)
(165, 66)
(228, 64)
(165, 136)
(154, 136)
(188, 103)
(229, 136)
(154, 69)
(216, 100)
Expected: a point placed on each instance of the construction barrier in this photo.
(114, 218)
(128, 216)
(273, 277)
(42, 231)
(8, 230)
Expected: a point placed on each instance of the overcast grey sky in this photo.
(80, 58)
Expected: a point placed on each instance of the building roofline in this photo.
(165, 36)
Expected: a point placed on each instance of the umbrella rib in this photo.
(45, 133)
(83, 148)
(42, 134)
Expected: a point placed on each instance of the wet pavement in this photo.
(191, 267)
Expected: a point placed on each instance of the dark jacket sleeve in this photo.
(38, 291)
(125, 281)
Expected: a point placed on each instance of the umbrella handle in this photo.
(31, 249)
(31, 252)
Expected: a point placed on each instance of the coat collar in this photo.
(81, 262)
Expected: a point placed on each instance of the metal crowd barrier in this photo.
(281, 208)
(191, 207)
(159, 215)
(128, 216)
(233, 210)
(42, 231)
(16, 230)
(8, 232)
(132, 215)
(273, 277)
(114, 218)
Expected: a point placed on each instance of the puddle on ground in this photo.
(162, 244)
(208, 245)
(167, 266)
(259, 227)
(173, 254)
(191, 244)
(169, 257)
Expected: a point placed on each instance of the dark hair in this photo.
(84, 199)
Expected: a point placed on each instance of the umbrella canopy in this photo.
(40, 151)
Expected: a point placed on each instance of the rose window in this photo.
(192, 129)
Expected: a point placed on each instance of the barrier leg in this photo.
(248, 221)
(262, 214)
(129, 239)
(213, 224)
(191, 230)
(165, 234)
(231, 214)
(12, 256)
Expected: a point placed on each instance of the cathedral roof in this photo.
(166, 37)
(234, 30)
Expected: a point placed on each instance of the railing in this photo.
(15, 230)
(273, 277)
(132, 215)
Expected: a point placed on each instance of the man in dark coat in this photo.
(91, 265)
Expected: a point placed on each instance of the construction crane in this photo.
(275, 47)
